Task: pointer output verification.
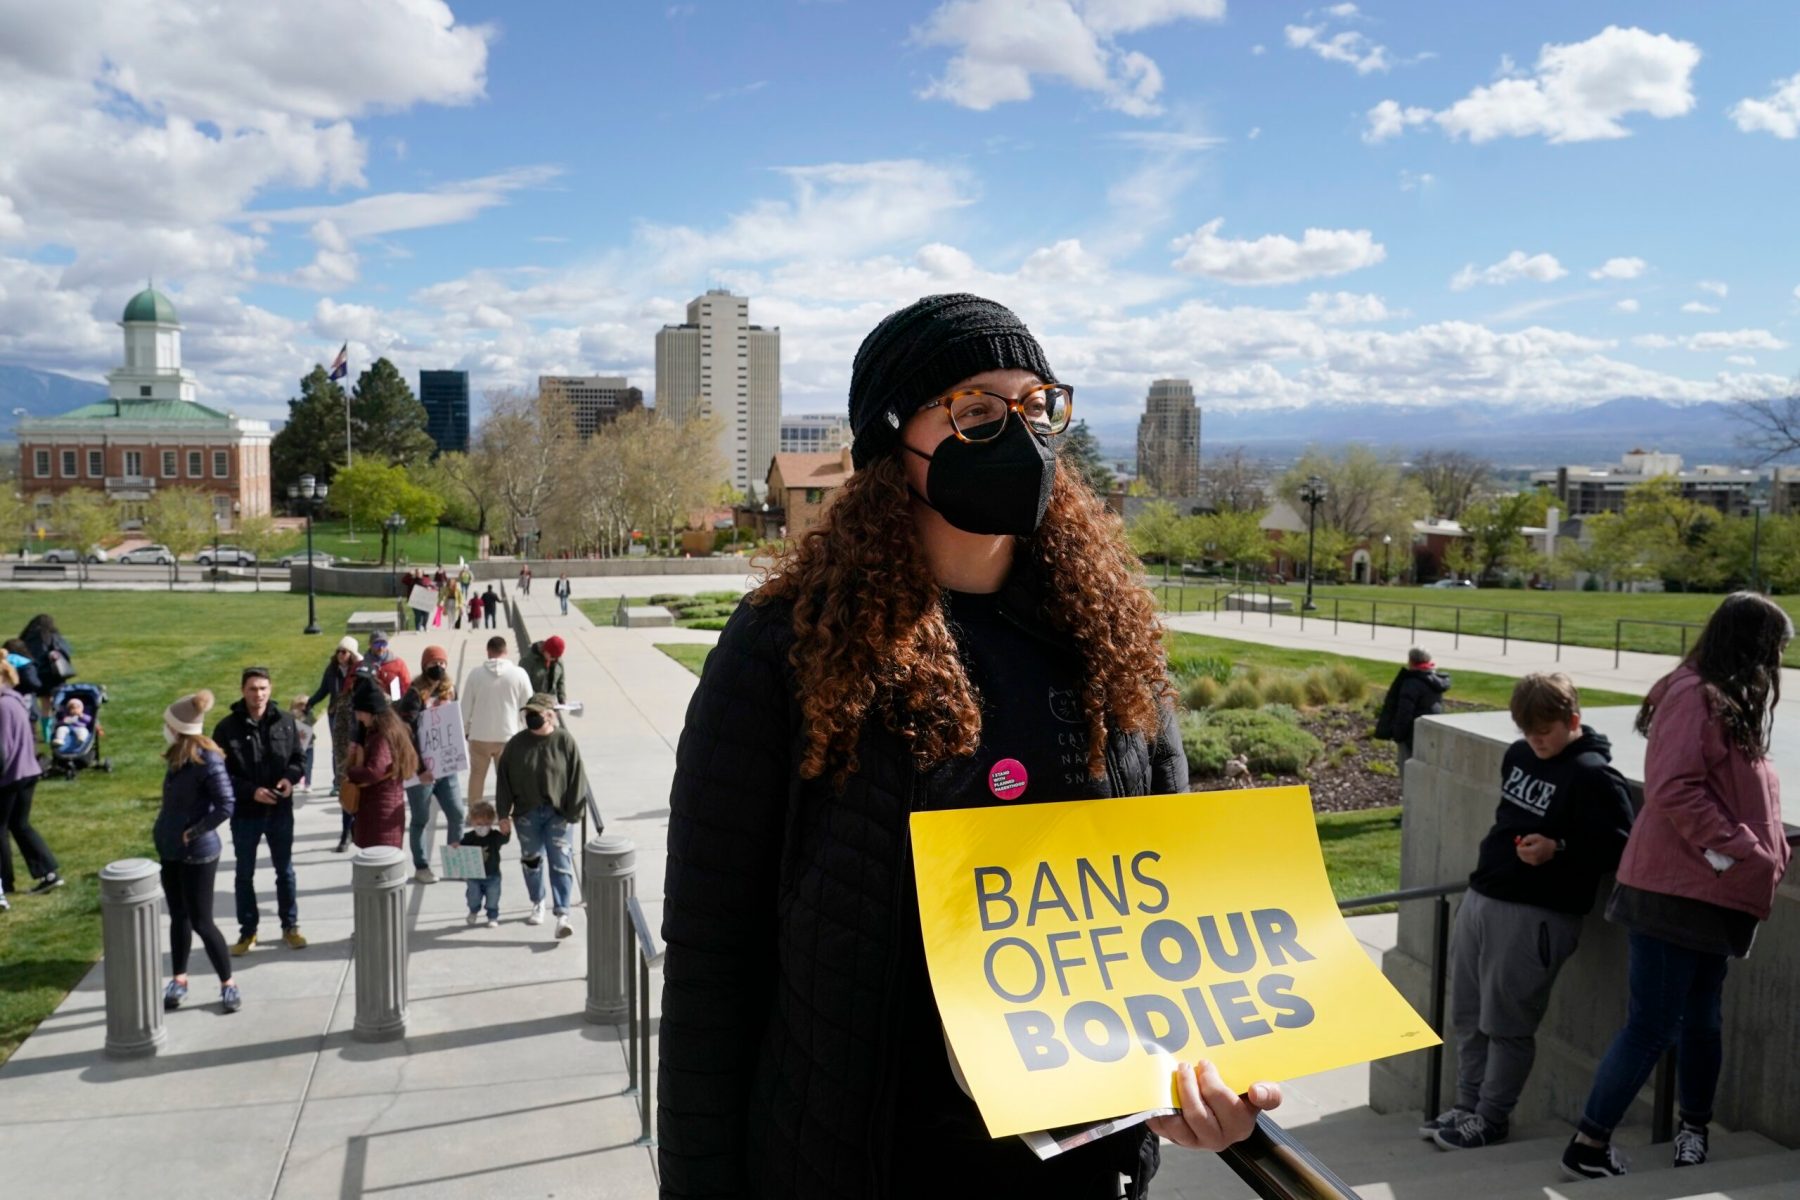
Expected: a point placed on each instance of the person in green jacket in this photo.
(543, 663)
(540, 786)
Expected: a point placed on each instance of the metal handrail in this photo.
(1277, 1166)
(637, 998)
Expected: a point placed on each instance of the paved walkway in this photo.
(500, 1087)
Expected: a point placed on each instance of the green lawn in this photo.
(147, 649)
(418, 545)
(1588, 618)
(603, 610)
(1362, 853)
(691, 655)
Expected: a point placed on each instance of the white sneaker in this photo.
(492, 922)
(475, 918)
(424, 875)
(563, 928)
(537, 915)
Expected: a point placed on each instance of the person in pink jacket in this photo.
(1699, 873)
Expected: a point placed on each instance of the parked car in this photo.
(298, 558)
(152, 555)
(64, 555)
(1452, 583)
(225, 556)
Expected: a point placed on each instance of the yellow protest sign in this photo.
(1079, 950)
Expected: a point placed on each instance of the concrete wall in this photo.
(1451, 793)
(348, 581)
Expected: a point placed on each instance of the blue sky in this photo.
(1420, 204)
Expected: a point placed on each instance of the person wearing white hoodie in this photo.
(492, 697)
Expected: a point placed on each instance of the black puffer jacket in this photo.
(1414, 693)
(782, 920)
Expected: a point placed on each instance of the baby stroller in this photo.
(92, 697)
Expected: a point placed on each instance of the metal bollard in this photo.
(377, 875)
(608, 877)
(131, 937)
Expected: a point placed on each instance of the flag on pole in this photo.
(340, 366)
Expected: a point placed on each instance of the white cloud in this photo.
(1579, 92)
(12, 225)
(1655, 341)
(1343, 11)
(1619, 268)
(1541, 268)
(1741, 360)
(1797, 291)
(1777, 113)
(1347, 307)
(1411, 181)
(1695, 306)
(999, 46)
(1347, 46)
(392, 212)
(1715, 287)
(1259, 49)
(1275, 258)
(1735, 339)
(1627, 306)
(1255, 132)
(1169, 141)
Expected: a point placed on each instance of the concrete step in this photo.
(1745, 1173)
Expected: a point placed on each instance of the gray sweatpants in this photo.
(1503, 960)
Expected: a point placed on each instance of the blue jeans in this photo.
(250, 824)
(1675, 996)
(420, 616)
(448, 790)
(565, 605)
(484, 890)
(541, 830)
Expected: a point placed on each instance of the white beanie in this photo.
(187, 714)
(348, 642)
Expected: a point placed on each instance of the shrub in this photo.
(1381, 766)
(1192, 666)
(1201, 692)
(1285, 688)
(1316, 684)
(1285, 713)
(1254, 673)
(720, 597)
(1240, 693)
(1266, 739)
(668, 598)
(1348, 684)
(714, 623)
(1206, 747)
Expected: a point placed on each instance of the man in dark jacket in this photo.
(1417, 691)
(543, 663)
(264, 759)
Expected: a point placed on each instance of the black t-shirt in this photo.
(1033, 749)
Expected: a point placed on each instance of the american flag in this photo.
(340, 366)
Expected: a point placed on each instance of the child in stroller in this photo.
(76, 734)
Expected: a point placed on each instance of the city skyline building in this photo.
(1168, 440)
(594, 400)
(445, 395)
(717, 364)
(814, 433)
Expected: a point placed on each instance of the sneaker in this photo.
(243, 945)
(173, 995)
(293, 938)
(343, 845)
(48, 883)
(424, 875)
(1444, 1120)
(563, 928)
(536, 916)
(230, 999)
(1582, 1161)
(1471, 1132)
(5, 904)
(1690, 1145)
(475, 917)
(493, 921)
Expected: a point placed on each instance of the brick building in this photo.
(801, 485)
(148, 433)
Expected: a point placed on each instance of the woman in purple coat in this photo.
(19, 772)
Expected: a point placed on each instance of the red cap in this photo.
(553, 646)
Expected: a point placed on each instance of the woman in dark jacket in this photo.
(966, 601)
(379, 764)
(19, 774)
(19, 655)
(334, 689)
(196, 800)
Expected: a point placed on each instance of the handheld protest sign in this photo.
(1079, 950)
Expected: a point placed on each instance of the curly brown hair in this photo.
(871, 638)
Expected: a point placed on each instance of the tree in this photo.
(1159, 531)
(1452, 479)
(1330, 547)
(1667, 529)
(1611, 550)
(181, 519)
(1232, 481)
(260, 536)
(1239, 539)
(525, 445)
(1495, 528)
(1769, 428)
(312, 441)
(84, 517)
(15, 511)
(453, 475)
(371, 491)
(1081, 450)
(387, 421)
(1366, 496)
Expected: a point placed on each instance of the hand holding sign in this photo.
(1212, 1117)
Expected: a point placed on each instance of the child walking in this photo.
(1699, 875)
(1562, 822)
(482, 832)
(303, 722)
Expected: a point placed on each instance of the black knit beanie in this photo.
(915, 354)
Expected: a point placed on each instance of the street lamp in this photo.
(1312, 495)
(1387, 549)
(218, 522)
(440, 543)
(1756, 507)
(309, 495)
(395, 523)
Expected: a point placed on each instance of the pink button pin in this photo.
(1008, 779)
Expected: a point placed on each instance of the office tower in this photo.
(814, 433)
(445, 395)
(593, 400)
(718, 365)
(1169, 439)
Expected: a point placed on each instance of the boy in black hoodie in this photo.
(1417, 691)
(1563, 819)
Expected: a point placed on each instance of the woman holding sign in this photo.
(431, 688)
(965, 627)
(378, 763)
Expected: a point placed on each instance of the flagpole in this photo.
(340, 368)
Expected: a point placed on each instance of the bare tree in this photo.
(1452, 478)
(1769, 428)
(528, 442)
(1232, 481)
